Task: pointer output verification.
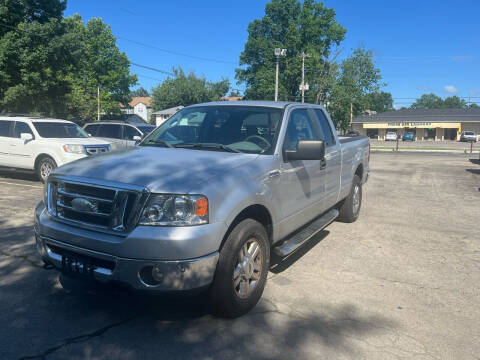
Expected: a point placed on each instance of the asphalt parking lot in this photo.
(403, 282)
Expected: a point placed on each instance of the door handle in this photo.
(323, 164)
(274, 173)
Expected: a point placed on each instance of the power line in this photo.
(152, 69)
(175, 52)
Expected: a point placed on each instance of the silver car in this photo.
(121, 134)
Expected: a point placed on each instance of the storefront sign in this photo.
(411, 124)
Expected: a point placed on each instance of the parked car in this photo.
(409, 136)
(204, 199)
(468, 136)
(40, 145)
(352, 133)
(120, 133)
(391, 136)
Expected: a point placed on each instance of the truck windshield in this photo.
(59, 130)
(235, 128)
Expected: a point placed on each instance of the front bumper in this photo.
(177, 275)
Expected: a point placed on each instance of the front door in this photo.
(301, 185)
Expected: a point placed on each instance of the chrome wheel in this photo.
(248, 269)
(45, 169)
(356, 199)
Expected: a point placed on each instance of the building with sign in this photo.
(426, 124)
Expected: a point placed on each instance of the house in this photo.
(162, 115)
(231, 98)
(425, 124)
(139, 105)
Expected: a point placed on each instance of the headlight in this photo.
(74, 148)
(175, 210)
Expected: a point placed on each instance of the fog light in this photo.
(151, 275)
(157, 274)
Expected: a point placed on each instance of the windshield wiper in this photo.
(160, 142)
(208, 146)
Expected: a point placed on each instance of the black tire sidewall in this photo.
(346, 210)
(223, 297)
(39, 166)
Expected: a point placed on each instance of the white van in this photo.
(40, 145)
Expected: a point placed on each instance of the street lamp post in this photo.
(303, 86)
(278, 52)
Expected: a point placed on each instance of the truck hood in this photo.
(158, 169)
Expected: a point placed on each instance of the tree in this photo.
(379, 101)
(299, 27)
(428, 101)
(187, 89)
(53, 66)
(358, 77)
(454, 102)
(139, 92)
(101, 65)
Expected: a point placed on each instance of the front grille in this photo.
(96, 149)
(105, 206)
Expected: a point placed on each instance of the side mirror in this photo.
(26, 136)
(137, 138)
(307, 150)
(89, 135)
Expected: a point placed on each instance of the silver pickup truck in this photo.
(203, 200)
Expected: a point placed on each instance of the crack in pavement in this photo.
(22, 257)
(77, 339)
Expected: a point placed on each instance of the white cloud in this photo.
(423, 88)
(450, 89)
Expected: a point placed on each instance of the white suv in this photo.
(40, 145)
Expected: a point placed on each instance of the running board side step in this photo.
(298, 239)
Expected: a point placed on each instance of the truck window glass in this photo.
(327, 131)
(5, 128)
(299, 128)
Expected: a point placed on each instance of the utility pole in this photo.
(303, 86)
(278, 52)
(98, 103)
(351, 114)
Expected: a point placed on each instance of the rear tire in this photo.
(242, 270)
(44, 167)
(350, 207)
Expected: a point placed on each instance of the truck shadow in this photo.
(17, 175)
(45, 315)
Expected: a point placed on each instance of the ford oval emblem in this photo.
(84, 205)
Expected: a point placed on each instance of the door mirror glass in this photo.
(26, 136)
(307, 150)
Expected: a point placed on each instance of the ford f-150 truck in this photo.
(203, 200)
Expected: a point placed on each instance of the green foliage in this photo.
(52, 66)
(432, 101)
(187, 89)
(355, 89)
(139, 92)
(379, 101)
(299, 27)
(428, 101)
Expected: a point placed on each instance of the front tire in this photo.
(242, 270)
(44, 167)
(350, 207)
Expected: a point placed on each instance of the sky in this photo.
(420, 46)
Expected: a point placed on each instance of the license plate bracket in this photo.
(77, 266)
